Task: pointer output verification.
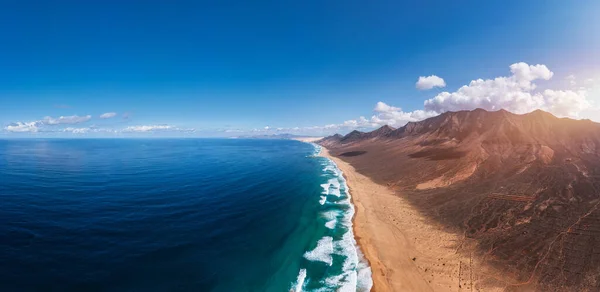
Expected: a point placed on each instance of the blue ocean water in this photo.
(174, 215)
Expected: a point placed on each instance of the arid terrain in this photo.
(518, 191)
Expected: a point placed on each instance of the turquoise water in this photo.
(334, 262)
(174, 215)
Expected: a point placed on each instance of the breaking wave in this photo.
(334, 262)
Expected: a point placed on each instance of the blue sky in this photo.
(225, 68)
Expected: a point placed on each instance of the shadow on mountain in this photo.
(525, 188)
(352, 153)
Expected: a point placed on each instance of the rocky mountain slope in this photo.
(525, 188)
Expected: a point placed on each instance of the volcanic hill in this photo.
(525, 188)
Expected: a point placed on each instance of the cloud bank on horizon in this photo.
(517, 92)
(52, 125)
(35, 126)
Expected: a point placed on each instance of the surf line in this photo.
(339, 212)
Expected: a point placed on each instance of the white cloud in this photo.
(86, 130)
(108, 115)
(383, 114)
(34, 127)
(41, 125)
(155, 128)
(589, 82)
(383, 107)
(21, 127)
(395, 116)
(66, 120)
(572, 80)
(68, 125)
(147, 128)
(77, 130)
(565, 103)
(528, 73)
(429, 82)
(515, 93)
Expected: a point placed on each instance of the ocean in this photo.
(174, 215)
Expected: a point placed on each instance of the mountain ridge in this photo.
(452, 123)
(515, 184)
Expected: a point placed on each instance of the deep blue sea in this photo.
(174, 215)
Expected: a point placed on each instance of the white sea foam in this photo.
(330, 224)
(365, 280)
(329, 168)
(300, 281)
(317, 148)
(356, 273)
(322, 200)
(316, 151)
(322, 252)
(331, 217)
(332, 187)
(334, 192)
(325, 188)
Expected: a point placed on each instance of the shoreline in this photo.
(361, 258)
(378, 285)
(406, 251)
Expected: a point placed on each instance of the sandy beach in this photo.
(405, 251)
